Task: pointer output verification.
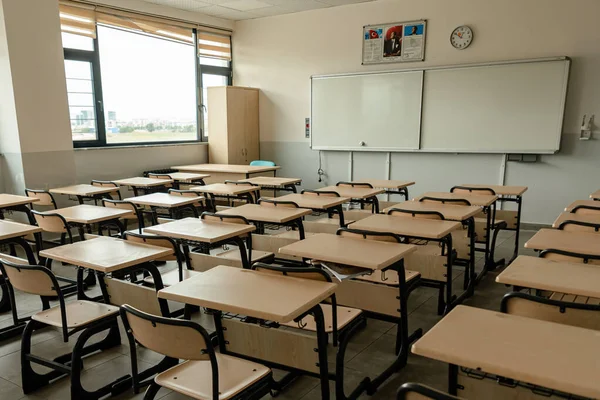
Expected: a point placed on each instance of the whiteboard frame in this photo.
(457, 66)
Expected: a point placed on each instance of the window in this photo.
(133, 79)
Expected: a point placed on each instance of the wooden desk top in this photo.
(385, 183)
(501, 190)
(10, 229)
(163, 200)
(557, 276)
(415, 227)
(314, 202)
(82, 190)
(224, 189)
(369, 254)
(88, 214)
(142, 182)
(10, 200)
(276, 215)
(475, 200)
(225, 168)
(256, 294)
(579, 217)
(555, 356)
(588, 203)
(595, 195)
(198, 230)
(105, 254)
(186, 176)
(352, 192)
(449, 211)
(272, 181)
(573, 241)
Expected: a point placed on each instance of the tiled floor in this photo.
(369, 352)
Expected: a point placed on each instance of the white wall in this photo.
(279, 54)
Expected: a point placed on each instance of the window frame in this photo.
(94, 58)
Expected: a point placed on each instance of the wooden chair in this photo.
(55, 223)
(137, 212)
(557, 307)
(416, 391)
(338, 319)
(45, 198)
(114, 194)
(200, 205)
(88, 318)
(204, 374)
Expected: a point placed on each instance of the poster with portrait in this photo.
(394, 42)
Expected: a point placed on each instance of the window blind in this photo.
(214, 45)
(78, 20)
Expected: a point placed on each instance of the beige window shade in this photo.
(214, 45)
(78, 21)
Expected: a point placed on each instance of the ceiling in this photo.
(248, 9)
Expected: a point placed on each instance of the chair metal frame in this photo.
(339, 210)
(427, 392)
(374, 201)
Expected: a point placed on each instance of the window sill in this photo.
(134, 146)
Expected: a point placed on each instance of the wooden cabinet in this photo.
(232, 125)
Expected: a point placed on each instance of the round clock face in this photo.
(461, 37)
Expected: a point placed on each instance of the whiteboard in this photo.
(508, 108)
(505, 107)
(382, 110)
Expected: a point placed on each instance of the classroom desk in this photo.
(488, 204)
(508, 194)
(164, 200)
(369, 255)
(582, 243)
(420, 229)
(589, 220)
(12, 202)
(515, 347)
(584, 207)
(318, 203)
(84, 191)
(368, 195)
(260, 215)
(556, 276)
(462, 214)
(228, 190)
(390, 186)
(275, 183)
(220, 173)
(259, 295)
(84, 214)
(142, 184)
(195, 230)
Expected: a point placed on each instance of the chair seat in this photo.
(345, 315)
(234, 255)
(194, 378)
(574, 298)
(79, 313)
(171, 277)
(391, 277)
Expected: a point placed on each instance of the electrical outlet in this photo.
(307, 128)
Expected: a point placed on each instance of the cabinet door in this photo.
(236, 122)
(252, 126)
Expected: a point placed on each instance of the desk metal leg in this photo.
(340, 212)
(317, 313)
(240, 243)
(300, 226)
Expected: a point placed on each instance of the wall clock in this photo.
(461, 37)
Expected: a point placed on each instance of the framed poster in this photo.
(394, 42)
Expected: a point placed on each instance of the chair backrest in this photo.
(105, 184)
(161, 176)
(154, 240)
(123, 205)
(141, 297)
(262, 163)
(184, 193)
(473, 190)
(456, 202)
(230, 219)
(585, 209)
(559, 255)
(45, 197)
(176, 338)
(355, 184)
(315, 274)
(240, 183)
(32, 279)
(369, 235)
(324, 193)
(581, 226)
(277, 203)
(416, 214)
(51, 222)
(416, 391)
